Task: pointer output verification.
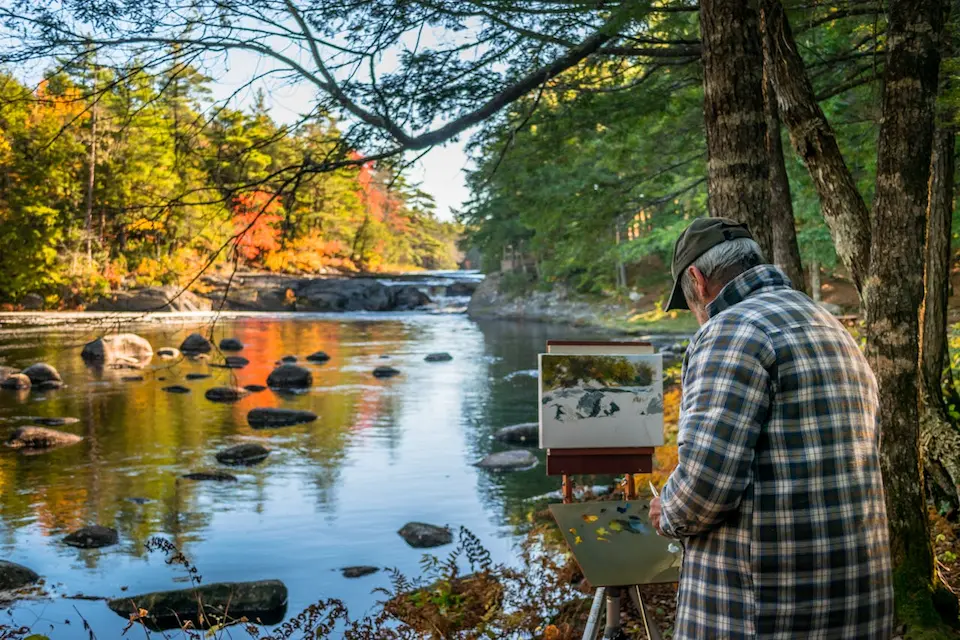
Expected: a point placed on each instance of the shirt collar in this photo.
(760, 278)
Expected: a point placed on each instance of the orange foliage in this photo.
(256, 217)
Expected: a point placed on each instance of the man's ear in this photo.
(699, 281)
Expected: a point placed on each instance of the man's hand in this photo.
(655, 514)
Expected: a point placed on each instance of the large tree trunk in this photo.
(813, 139)
(786, 252)
(737, 165)
(895, 290)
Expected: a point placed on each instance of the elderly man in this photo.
(777, 494)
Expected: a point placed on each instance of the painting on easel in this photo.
(601, 400)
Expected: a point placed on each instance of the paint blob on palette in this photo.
(618, 546)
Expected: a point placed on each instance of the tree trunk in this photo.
(786, 252)
(815, 291)
(895, 290)
(737, 165)
(91, 179)
(812, 136)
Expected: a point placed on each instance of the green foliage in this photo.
(563, 372)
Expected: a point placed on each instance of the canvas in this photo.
(600, 400)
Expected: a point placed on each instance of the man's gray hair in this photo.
(722, 263)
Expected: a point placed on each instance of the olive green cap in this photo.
(702, 235)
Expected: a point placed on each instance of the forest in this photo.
(131, 176)
(599, 129)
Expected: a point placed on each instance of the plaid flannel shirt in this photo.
(777, 493)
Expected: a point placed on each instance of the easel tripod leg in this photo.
(653, 633)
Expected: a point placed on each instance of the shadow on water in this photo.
(331, 493)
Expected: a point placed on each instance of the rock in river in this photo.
(358, 572)
(128, 348)
(15, 382)
(288, 359)
(438, 357)
(54, 422)
(263, 601)
(525, 433)
(231, 344)
(243, 454)
(424, 536)
(176, 388)
(319, 356)
(6, 372)
(168, 353)
(93, 537)
(254, 388)
(385, 372)
(267, 417)
(42, 372)
(226, 394)
(290, 376)
(166, 299)
(512, 460)
(197, 376)
(131, 379)
(195, 343)
(235, 362)
(40, 438)
(214, 476)
(14, 576)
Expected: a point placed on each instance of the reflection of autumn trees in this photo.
(139, 439)
(571, 371)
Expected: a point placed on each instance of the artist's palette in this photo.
(615, 544)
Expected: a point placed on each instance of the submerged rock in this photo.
(131, 379)
(42, 372)
(263, 602)
(512, 460)
(16, 576)
(235, 362)
(168, 353)
(176, 388)
(524, 433)
(407, 298)
(247, 453)
(267, 417)
(358, 572)
(319, 356)
(231, 344)
(48, 385)
(54, 422)
(226, 394)
(438, 357)
(385, 372)
(15, 382)
(40, 438)
(290, 376)
(197, 376)
(420, 535)
(195, 344)
(93, 537)
(288, 359)
(254, 388)
(6, 372)
(214, 476)
(127, 348)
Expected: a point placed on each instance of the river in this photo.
(331, 494)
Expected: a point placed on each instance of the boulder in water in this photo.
(358, 572)
(438, 357)
(420, 535)
(407, 298)
(263, 601)
(195, 344)
(213, 476)
(42, 372)
(176, 388)
(15, 382)
(48, 385)
(319, 356)
(231, 344)
(6, 372)
(168, 353)
(167, 299)
(385, 372)
(254, 388)
(247, 453)
(512, 460)
(93, 537)
(459, 289)
(15, 576)
(525, 433)
(235, 362)
(197, 376)
(268, 417)
(290, 376)
(54, 422)
(40, 438)
(127, 348)
(226, 394)
(131, 379)
(349, 294)
(288, 359)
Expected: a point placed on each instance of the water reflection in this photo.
(331, 493)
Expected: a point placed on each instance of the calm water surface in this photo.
(331, 494)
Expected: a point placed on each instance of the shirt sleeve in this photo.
(726, 400)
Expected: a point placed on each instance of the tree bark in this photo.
(786, 252)
(737, 163)
(813, 139)
(895, 289)
(91, 178)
